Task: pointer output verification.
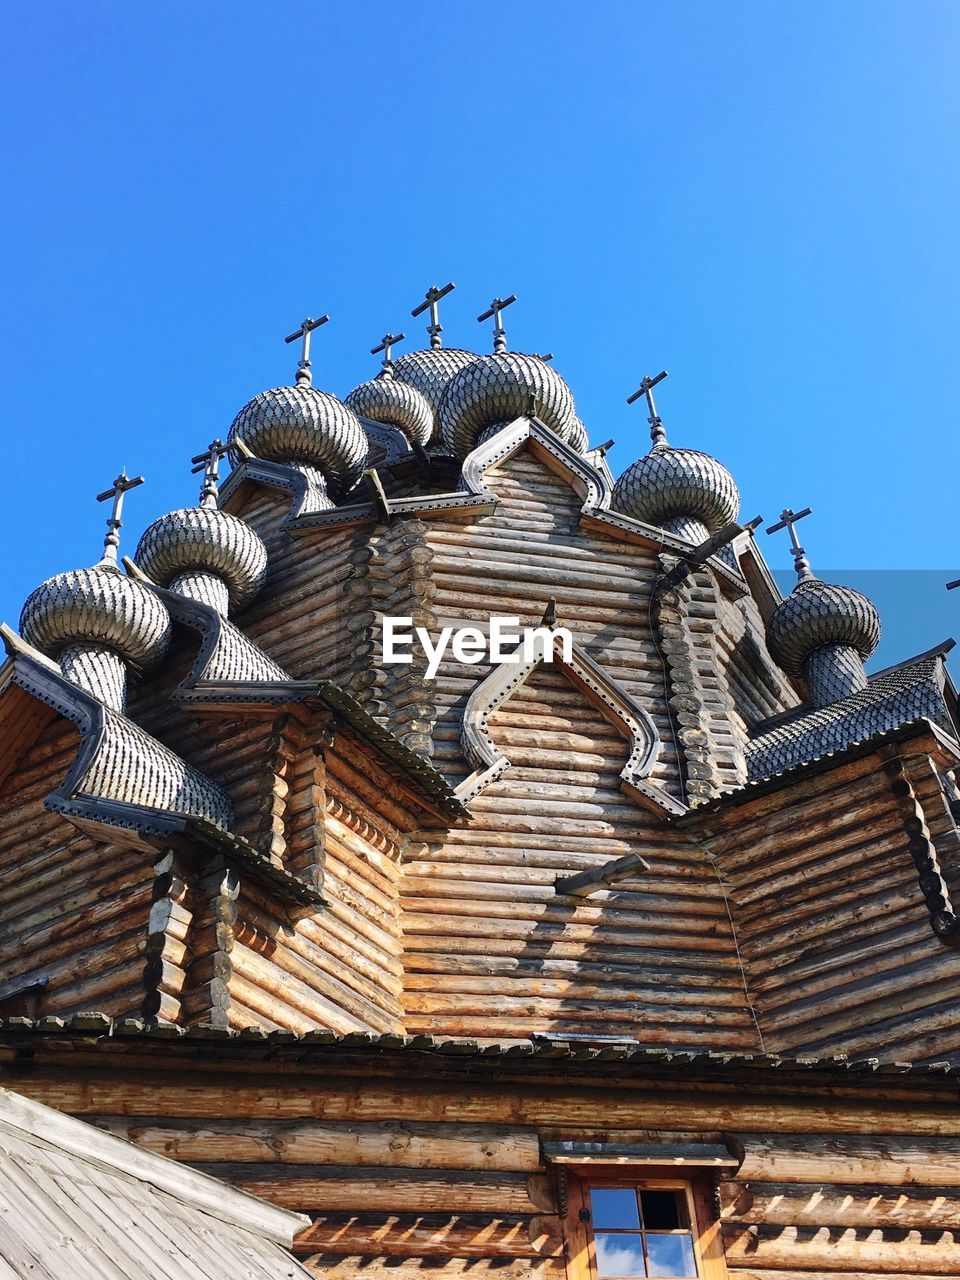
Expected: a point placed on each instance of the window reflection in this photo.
(616, 1208)
(670, 1256)
(640, 1232)
(620, 1255)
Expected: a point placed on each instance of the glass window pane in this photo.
(620, 1257)
(671, 1255)
(661, 1210)
(614, 1207)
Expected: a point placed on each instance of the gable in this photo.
(491, 948)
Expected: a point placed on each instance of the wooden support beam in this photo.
(584, 883)
(378, 495)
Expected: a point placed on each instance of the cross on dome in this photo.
(209, 464)
(117, 490)
(788, 519)
(431, 298)
(497, 306)
(657, 434)
(304, 332)
(387, 343)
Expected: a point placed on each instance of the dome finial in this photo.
(788, 518)
(117, 490)
(431, 298)
(657, 434)
(387, 343)
(304, 376)
(209, 464)
(499, 333)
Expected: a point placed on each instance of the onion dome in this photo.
(579, 440)
(95, 620)
(204, 553)
(822, 631)
(498, 388)
(383, 399)
(428, 372)
(681, 490)
(300, 424)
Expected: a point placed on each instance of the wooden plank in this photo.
(842, 1249)
(891, 1162)
(386, 1143)
(461, 1235)
(372, 1188)
(220, 1092)
(334, 1266)
(819, 1204)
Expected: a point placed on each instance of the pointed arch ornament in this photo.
(601, 690)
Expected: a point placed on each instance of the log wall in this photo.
(73, 911)
(492, 950)
(834, 930)
(414, 1173)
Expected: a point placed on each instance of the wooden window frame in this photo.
(697, 1187)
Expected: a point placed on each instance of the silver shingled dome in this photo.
(99, 606)
(384, 399)
(208, 540)
(499, 388)
(669, 484)
(302, 424)
(429, 371)
(817, 614)
(579, 440)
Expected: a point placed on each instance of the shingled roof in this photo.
(75, 1200)
(900, 695)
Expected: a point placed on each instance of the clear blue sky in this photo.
(762, 198)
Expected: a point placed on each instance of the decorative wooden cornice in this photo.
(601, 690)
(123, 780)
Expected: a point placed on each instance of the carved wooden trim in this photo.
(589, 483)
(611, 699)
(207, 997)
(168, 937)
(943, 917)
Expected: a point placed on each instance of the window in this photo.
(641, 1231)
(629, 1228)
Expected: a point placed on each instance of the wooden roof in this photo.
(81, 1203)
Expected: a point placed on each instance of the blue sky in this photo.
(762, 198)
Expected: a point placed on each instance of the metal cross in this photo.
(304, 332)
(209, 464)
(788, 519)
(116, 491)
(433, 296)
(657, 433)
(387, 343)
(499, 333)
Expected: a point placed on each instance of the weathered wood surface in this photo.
(72, 910)
(462, 1235)
(388, 1188)
(447, 1172)
(840, 1204)
(891, 1161)
(838, 947)
(385, 1142)
(234, 1093)
(775, 1250)
(490, 949)
(337, 1267)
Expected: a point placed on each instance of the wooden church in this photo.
(632, 957)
